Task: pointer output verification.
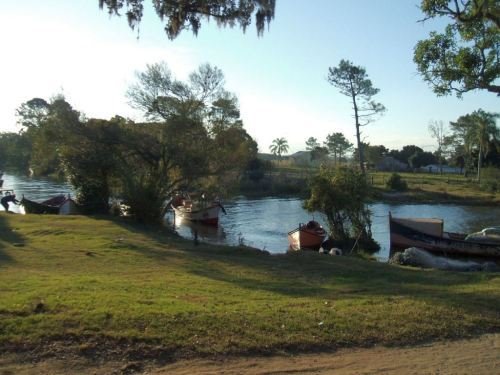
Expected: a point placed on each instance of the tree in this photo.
(466, 56)
(485, 130)
(375, 154)
(462, 142)
(31, 113)
(475, 133)
(438, 132)
(312, 143)
(92, 161)
(352, 81)
(15, 151)
(319, 153)
(203, 97)
(197, 112)
(421, 158)
(341, 194)
(278, 147)
(405, 153)
(463, 11)
(46, 124)
(337, 145)
(187, 14)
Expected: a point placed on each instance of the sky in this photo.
(72, 48)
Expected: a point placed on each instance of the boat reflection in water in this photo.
(196, 231)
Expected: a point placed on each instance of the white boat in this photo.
(202, 211)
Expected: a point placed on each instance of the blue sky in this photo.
(72, 47)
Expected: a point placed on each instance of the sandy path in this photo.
(475, 356)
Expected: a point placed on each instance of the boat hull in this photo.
(306, 239)
(206, 215)
(404, 236)
(61, 205)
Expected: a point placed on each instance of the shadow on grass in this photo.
(8, 236)
(309, 274)
(317, 276)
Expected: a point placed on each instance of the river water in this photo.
(264, 223)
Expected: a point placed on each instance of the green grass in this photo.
(433, 187)
(110, 281)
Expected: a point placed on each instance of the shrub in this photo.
(395, 182)
(341, 195)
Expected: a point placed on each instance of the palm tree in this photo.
(278, 147)
(483, 133)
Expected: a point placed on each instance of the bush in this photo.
(342, 194)
(395, 182)
(489, 179)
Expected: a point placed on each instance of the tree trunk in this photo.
(479, 157)
(358, 134)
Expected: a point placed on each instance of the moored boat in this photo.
(307, 236)
(428, 234)
(60, 204)
(203, 211)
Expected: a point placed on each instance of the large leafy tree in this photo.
(352, 81)
(46, 125)
(182, 15)
(466, 56)
(31, 113)
(201, 121)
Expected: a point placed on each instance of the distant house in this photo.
(435, 168)
(390, 164)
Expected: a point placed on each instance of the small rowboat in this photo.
(307, 236)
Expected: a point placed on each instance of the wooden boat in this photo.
(206, 212)
(307, 236)
(428, 234)
(58, 205)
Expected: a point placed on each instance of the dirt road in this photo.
(474, 356)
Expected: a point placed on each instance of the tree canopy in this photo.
(180, 15)
(466, 56)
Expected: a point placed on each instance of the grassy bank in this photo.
(428, 187)
(422, 187)
(102, 285)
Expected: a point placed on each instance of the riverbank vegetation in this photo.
(94, 286)
(194, 139)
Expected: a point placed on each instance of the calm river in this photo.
(264, 223)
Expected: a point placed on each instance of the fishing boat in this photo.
(199, 210)
(58, 205)
(428, 234)
(307, 236)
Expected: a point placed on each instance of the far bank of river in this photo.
(264, 223)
